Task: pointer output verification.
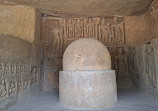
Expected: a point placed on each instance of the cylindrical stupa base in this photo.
(85, 90)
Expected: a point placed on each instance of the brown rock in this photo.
(86, 54)
(86, 8)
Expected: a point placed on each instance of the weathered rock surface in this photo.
(20, 21)
(20, 77)
(85, 8)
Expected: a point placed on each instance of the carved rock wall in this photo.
(19, 77)
(20, 55)
(145, 67)
(144, 57)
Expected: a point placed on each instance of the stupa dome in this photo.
(86, 54)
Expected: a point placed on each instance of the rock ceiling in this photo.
(85, 8)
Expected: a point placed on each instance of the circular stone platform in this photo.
(85, 90)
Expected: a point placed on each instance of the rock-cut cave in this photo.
(68, 55)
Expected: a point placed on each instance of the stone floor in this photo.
(127, 101)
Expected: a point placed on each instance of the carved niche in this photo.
(35, 76)
(19, 84)
(3, 89)
(26, 83)
(137, 64)
(52, 37)
(1, 69)
(150, 64)
(120, 61)
(12, 86)
(13, 69)
(5, 69)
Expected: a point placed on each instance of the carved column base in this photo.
(84, 90)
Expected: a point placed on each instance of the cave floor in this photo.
(128, 100)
